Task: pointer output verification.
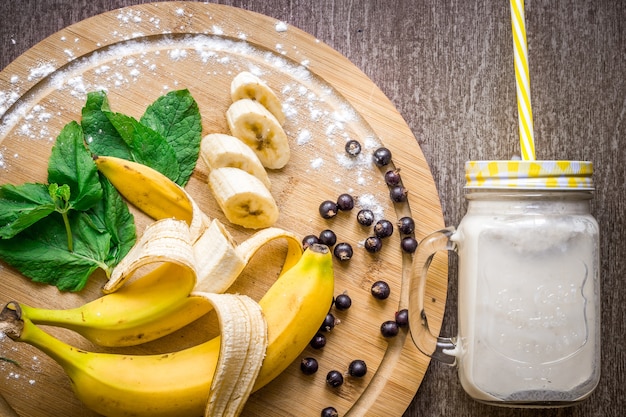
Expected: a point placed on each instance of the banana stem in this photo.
(23, 330)
(11, 322)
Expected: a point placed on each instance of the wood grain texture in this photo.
(139, 53)
(447, 67)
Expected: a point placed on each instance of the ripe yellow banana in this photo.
(162, 385)
(151, 192)
(243, 198)
(136, 183)
(248, 85)
(147, 307)
(219, 150)
(179, 383)
(141, 307)
(256, 126)
(142, 311)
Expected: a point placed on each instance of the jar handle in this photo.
(431, 345)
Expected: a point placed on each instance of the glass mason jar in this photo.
(528, 285)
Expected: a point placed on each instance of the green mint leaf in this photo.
(101, 136)
(42, 254)
(71, 164)
(101, 237)
(115, 217)
(177, 118)
(22, 206)
(146, 146)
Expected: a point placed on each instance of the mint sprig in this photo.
(59, 233)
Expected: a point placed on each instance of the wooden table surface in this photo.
(448, 68)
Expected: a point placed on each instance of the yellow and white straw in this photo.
(522, 79)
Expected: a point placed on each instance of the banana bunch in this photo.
(160, 301)
(170, 260)
(214, 378)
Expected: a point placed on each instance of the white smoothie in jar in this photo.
(528, 319)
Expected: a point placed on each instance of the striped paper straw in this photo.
(522, 78)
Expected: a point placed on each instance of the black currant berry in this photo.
(343, 251)
(329, 323)
(345, 202)
(402, 318)
(406, 225)
(365, 217)
(383, 228)
(408, 244)
(309, 366)
(318, 341)
(382, 157)
(343, 302)
(353, 147)
(329, 412)
(389, 328)
(327, 237)
(392, 177)
(373, 244)
(334, 379)
(309, 240)
(398, 194)
(380, 290)
(357, 368)
(328, 209)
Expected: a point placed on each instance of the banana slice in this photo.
(219, 150)
(243, 198)
(247, 85)
(219, 260)
(257, 127)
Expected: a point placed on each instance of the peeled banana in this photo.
(142, 306)
(147, 307)
(203, 258)
(256, 126)
(183, 383)
(160, 385)
(219, 150)
(243, 198)
(248, 85)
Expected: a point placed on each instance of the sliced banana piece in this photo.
(218, 263)
(219, 260)
(257, 127)
(219, 150)
(243, 198)
(248, 85)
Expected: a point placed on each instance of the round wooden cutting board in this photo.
(139, 53)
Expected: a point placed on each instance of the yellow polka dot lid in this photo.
(529, 175)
